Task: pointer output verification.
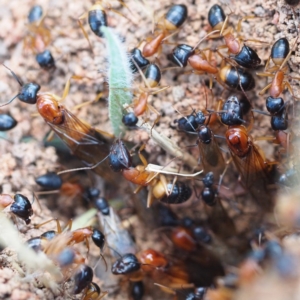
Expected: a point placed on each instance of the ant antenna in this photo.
(84, 168)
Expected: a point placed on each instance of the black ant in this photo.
(208, 194)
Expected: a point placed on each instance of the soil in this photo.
(24, 155)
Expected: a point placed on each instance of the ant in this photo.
(89, 144)
(78, 236)
(243, 55)
(236, 78)
(20, 206)
(137, 60)
(7, 122)
(92, 194)
(191, 122)
(137, 290)
(140, 105)
(96, 17)
(83, 281)
(184, 54)
(120, 161)
(83, 278)
(198, 293)
(277, 111)
(233, 110)
(280, 54)
(92, 292)
(210, 154)
(49, 181)
(150, 261)
(39, 38)
(168, 25)
(251, 164)
(208, 194)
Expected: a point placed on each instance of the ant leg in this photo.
(150, 107)
(84, 16)
(265, 89)
(164, 182)
(290, 89)
(224, 25)
(141, 156)
(69, 225)
(150, 197)
(59, 230)
(88, 246)
(38, 202)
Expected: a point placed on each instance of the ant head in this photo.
(22, 208)
(204, 134)
(208, 179)
(126, 264)
(119, 156)
(180, 55)
(274, 105)
(130, 119)
(28, 92)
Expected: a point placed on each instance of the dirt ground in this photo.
(24, 156)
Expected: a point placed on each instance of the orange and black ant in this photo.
(251, 164)
(159, 188)
(140, 104)
(97, 19)
(74, 237)
(39, 38)
(155, 264)
(87, 143)
(93, 292)
(280, 54)
(242, 54)
(166, 26)
(184, 54)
